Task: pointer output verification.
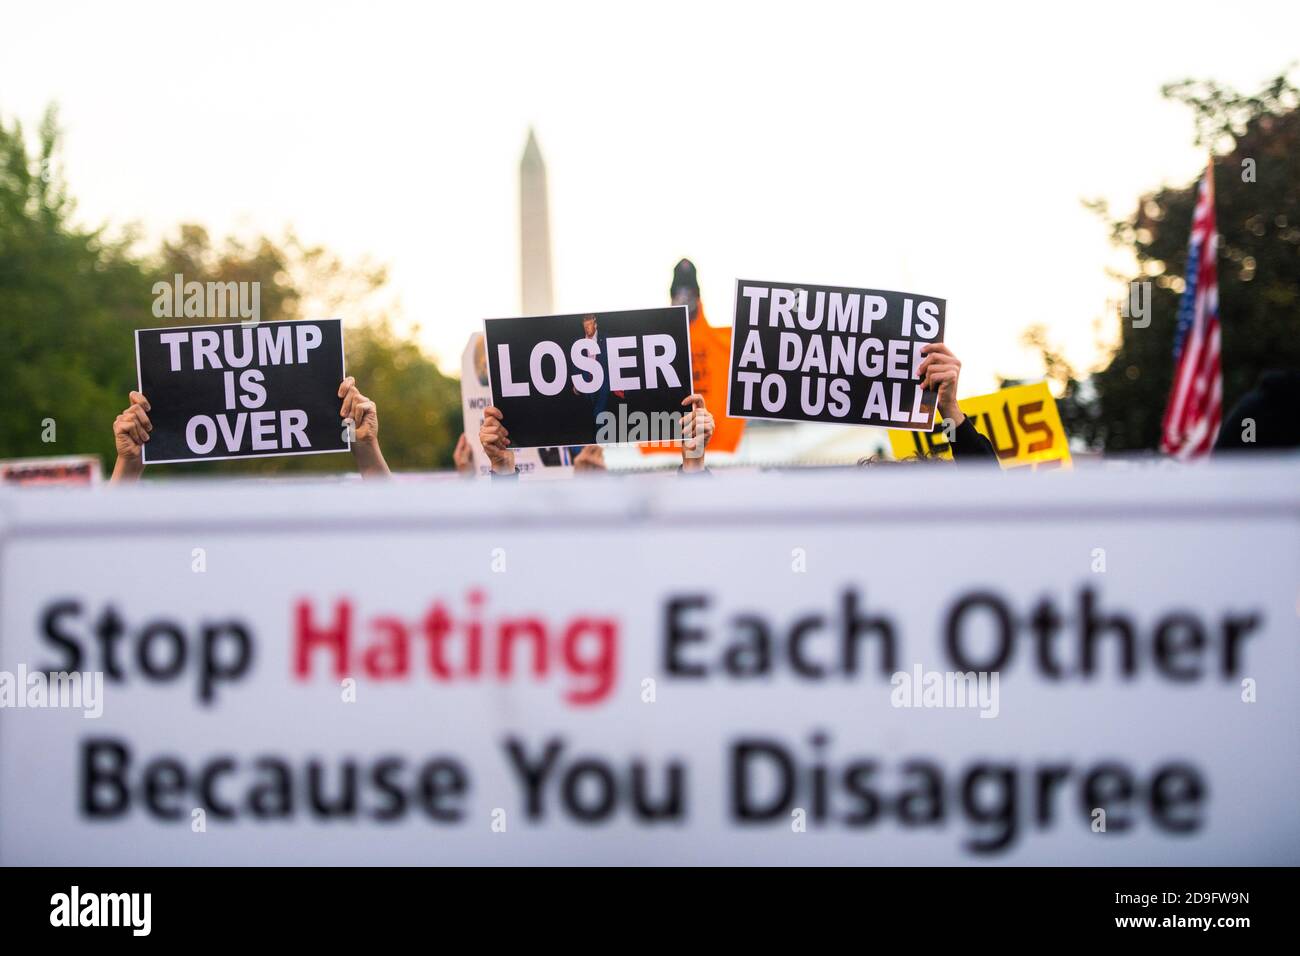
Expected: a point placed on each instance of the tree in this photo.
(1256, 139)
(70, 299)
(419, 407)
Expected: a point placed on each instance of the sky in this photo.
(942, 149)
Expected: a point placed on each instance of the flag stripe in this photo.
(1195, 407)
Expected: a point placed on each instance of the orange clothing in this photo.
(710, 366)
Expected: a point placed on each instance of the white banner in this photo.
(759, 669)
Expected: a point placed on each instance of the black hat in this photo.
(684, 277)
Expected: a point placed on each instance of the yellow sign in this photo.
(1021, 422)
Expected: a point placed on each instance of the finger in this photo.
(365, 412)
(937, 358)
(936, 348)
(350, 400)
(137, 398)
(935, 367)
(492, 412)
(346, 385)
(695, 398)
(137, 413)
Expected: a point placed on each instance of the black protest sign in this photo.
(817, 353)
(242, 391)
(594, 378)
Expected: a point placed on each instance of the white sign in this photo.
(476, 395)
(734, 671)
(76, 470)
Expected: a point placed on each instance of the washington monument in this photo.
(534, 233)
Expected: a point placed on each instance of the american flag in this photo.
(1196, 399)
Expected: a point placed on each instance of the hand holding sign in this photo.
(463, 457)
(697, 429)
(361, 416)
(130, 431)
(361, 411)
(939, 370)
(494, 438)
(591, 458)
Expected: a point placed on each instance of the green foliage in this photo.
(419, 407)
(1120, 407)
(67, 299)
(70, 298)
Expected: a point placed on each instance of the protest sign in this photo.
(545, 675)
(242, 391)
(812, 353)
(64, 470)
(476, 395)
(710, 360)
(595, 378)
(1022, 422)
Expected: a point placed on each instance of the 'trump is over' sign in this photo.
(242, 391)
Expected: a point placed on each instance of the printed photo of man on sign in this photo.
(810, 353)
(591, 378)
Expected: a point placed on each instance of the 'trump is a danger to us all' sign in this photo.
(812, 353)
(595, 378)
(242, 391)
